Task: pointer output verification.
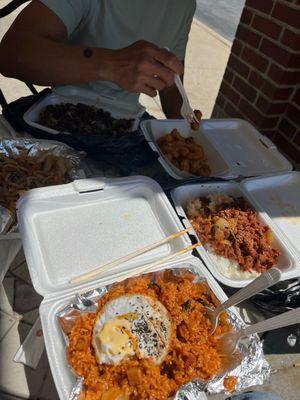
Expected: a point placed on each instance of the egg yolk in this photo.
(115, 337)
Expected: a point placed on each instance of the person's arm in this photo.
(171, 101)
(33, 50)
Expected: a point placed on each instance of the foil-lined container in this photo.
(32, 148)
(249, 366)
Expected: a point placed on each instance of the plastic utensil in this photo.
(228, 342)
(264, 281)
(186, 110)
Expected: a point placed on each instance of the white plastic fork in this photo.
(229, 341)
(186, 110)
(264, 281)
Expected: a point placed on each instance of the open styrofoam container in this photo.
(75, 95)
(273, 197)
(233, 147)
(73, 228)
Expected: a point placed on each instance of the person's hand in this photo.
(144, 68)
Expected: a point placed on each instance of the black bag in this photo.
(126, 152)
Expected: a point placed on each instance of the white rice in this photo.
(230, 268)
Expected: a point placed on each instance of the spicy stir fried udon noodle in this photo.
(21, 172)
(150, 336)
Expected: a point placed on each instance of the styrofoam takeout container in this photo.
(276, 199)
(75, 95)
(71, 229)
(233, 147)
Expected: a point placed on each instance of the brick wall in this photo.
(262, 80)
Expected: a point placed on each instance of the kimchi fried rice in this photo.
(192, 350)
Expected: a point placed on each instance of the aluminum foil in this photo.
(249, 366)
(9, 147)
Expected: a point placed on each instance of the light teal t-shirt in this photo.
(116, 24)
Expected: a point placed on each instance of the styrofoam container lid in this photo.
(234, 148)
(76, 94)
(287, 262)
(70, 229)
(55, 344)
(279, 196)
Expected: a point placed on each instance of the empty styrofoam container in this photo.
(233, 147)
(276, 199)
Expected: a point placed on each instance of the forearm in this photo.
(43, 61)
(171, 102)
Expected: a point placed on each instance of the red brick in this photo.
(273, 92)
(246, 16)
(297, 142)
(288, 148)
(293, 114)
(229, 93)
(228, 76)
(248, 36)
(287, 128)
(266, 26)
(255, 59)
(282, 76)
(237, 47)
(256, 80)
(266, 106)
(270, 122)
(261, 5)
(269, 133)
(279, 54)
(238, 66)
(296, 97)
(287, 14)
(245, 89)
(291, 39)
(250, 112)
(220, 100)
(231, 111)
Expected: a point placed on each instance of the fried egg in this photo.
(132, 325)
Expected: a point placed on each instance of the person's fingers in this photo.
(149, 91)
(168, 59)
(159, 70)
(155, 83)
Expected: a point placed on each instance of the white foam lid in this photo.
(70, 229)
(279, 197)
(234, 148)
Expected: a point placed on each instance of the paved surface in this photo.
(206, 60)
(222, 16)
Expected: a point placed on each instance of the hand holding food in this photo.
(184, 153)
(144, 68)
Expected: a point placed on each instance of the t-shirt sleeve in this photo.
(180, 47)
(71, 12)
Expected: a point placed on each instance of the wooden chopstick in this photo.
(101, 270)
(145, 268)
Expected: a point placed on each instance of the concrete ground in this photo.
(207, 56)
